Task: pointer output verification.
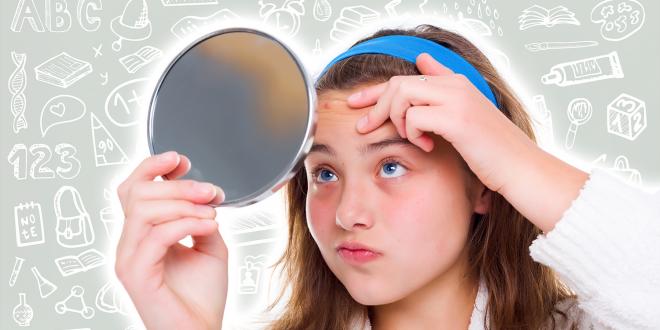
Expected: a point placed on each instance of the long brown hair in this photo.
(522, 293)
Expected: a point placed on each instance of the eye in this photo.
(391, 166)
(319, 172)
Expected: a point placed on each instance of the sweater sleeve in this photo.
(606, 248)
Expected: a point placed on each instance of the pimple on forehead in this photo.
(329, 103)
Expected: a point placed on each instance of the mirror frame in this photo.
(297, 162)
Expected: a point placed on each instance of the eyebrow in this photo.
(395, 140)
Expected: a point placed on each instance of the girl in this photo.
(437, 211)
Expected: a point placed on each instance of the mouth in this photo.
(356, 253)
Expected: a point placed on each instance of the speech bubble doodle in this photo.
(59, 110)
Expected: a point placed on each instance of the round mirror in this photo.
(240, 105)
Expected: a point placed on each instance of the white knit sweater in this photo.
(606, 248)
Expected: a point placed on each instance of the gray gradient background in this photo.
(638, 54)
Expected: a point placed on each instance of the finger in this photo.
(148, 170)
(190, 190)
(366, 96)
(411, 91)
(154, 246)
(148, 214)
(181, 170)
(428, 65)
(381, 111)
(421, 121)
(211, 244)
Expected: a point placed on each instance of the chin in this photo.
(372, 293)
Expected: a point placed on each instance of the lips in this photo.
(357, 253)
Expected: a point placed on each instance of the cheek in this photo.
(320, 220)
(429, 229)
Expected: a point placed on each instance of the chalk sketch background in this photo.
(101, 132)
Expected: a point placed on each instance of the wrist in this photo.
(544, 188)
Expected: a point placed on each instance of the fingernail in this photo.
(167, 156)
(204, 188)
(362, 122)
(355, 96)
(219, 196)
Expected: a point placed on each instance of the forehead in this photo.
(335, 119)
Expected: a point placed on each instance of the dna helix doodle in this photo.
(16, 86)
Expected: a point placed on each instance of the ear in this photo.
(481, 198)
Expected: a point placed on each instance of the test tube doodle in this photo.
(18, 264)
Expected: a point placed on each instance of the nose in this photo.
(354, 211)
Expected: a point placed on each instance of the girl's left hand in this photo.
(501, 155)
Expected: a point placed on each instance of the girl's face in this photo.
(410, 206)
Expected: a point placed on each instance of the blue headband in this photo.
(409, 47)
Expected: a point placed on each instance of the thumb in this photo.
(428, 65)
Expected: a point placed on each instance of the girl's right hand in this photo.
(172, 286)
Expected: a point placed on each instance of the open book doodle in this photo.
(89, 259)
(540, 16)
(135, 61)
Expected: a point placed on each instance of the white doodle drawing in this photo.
(104, 76)
(619, 19)
(26, 11)
(285, 18)
(81, 308)
(62, 70)
(599, 161)
(143, 56)
(59, 110)
(58, 17)
(539, 16)
(257, 228)
(84, 261)
(87, 22)
(67, 153)
(109, 216)
(586, 70)
(544, 117)
(22, 313)
(73, 227)
(46, 287)
(106, 149)
(40, 155)
(390, 9)
(111, 298)
(551, 45)
(322, 10)
(16, 85)
(126, 101)
(190, 26)
(351, 19)
(250, 273)
(422, 5)
(169, 3)
(626, 116)
(475, 25)
(29, 224)
(16, 270)
(133, 24)
(579, 112)
(317, 47)
(97, 51)
(622, 169)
